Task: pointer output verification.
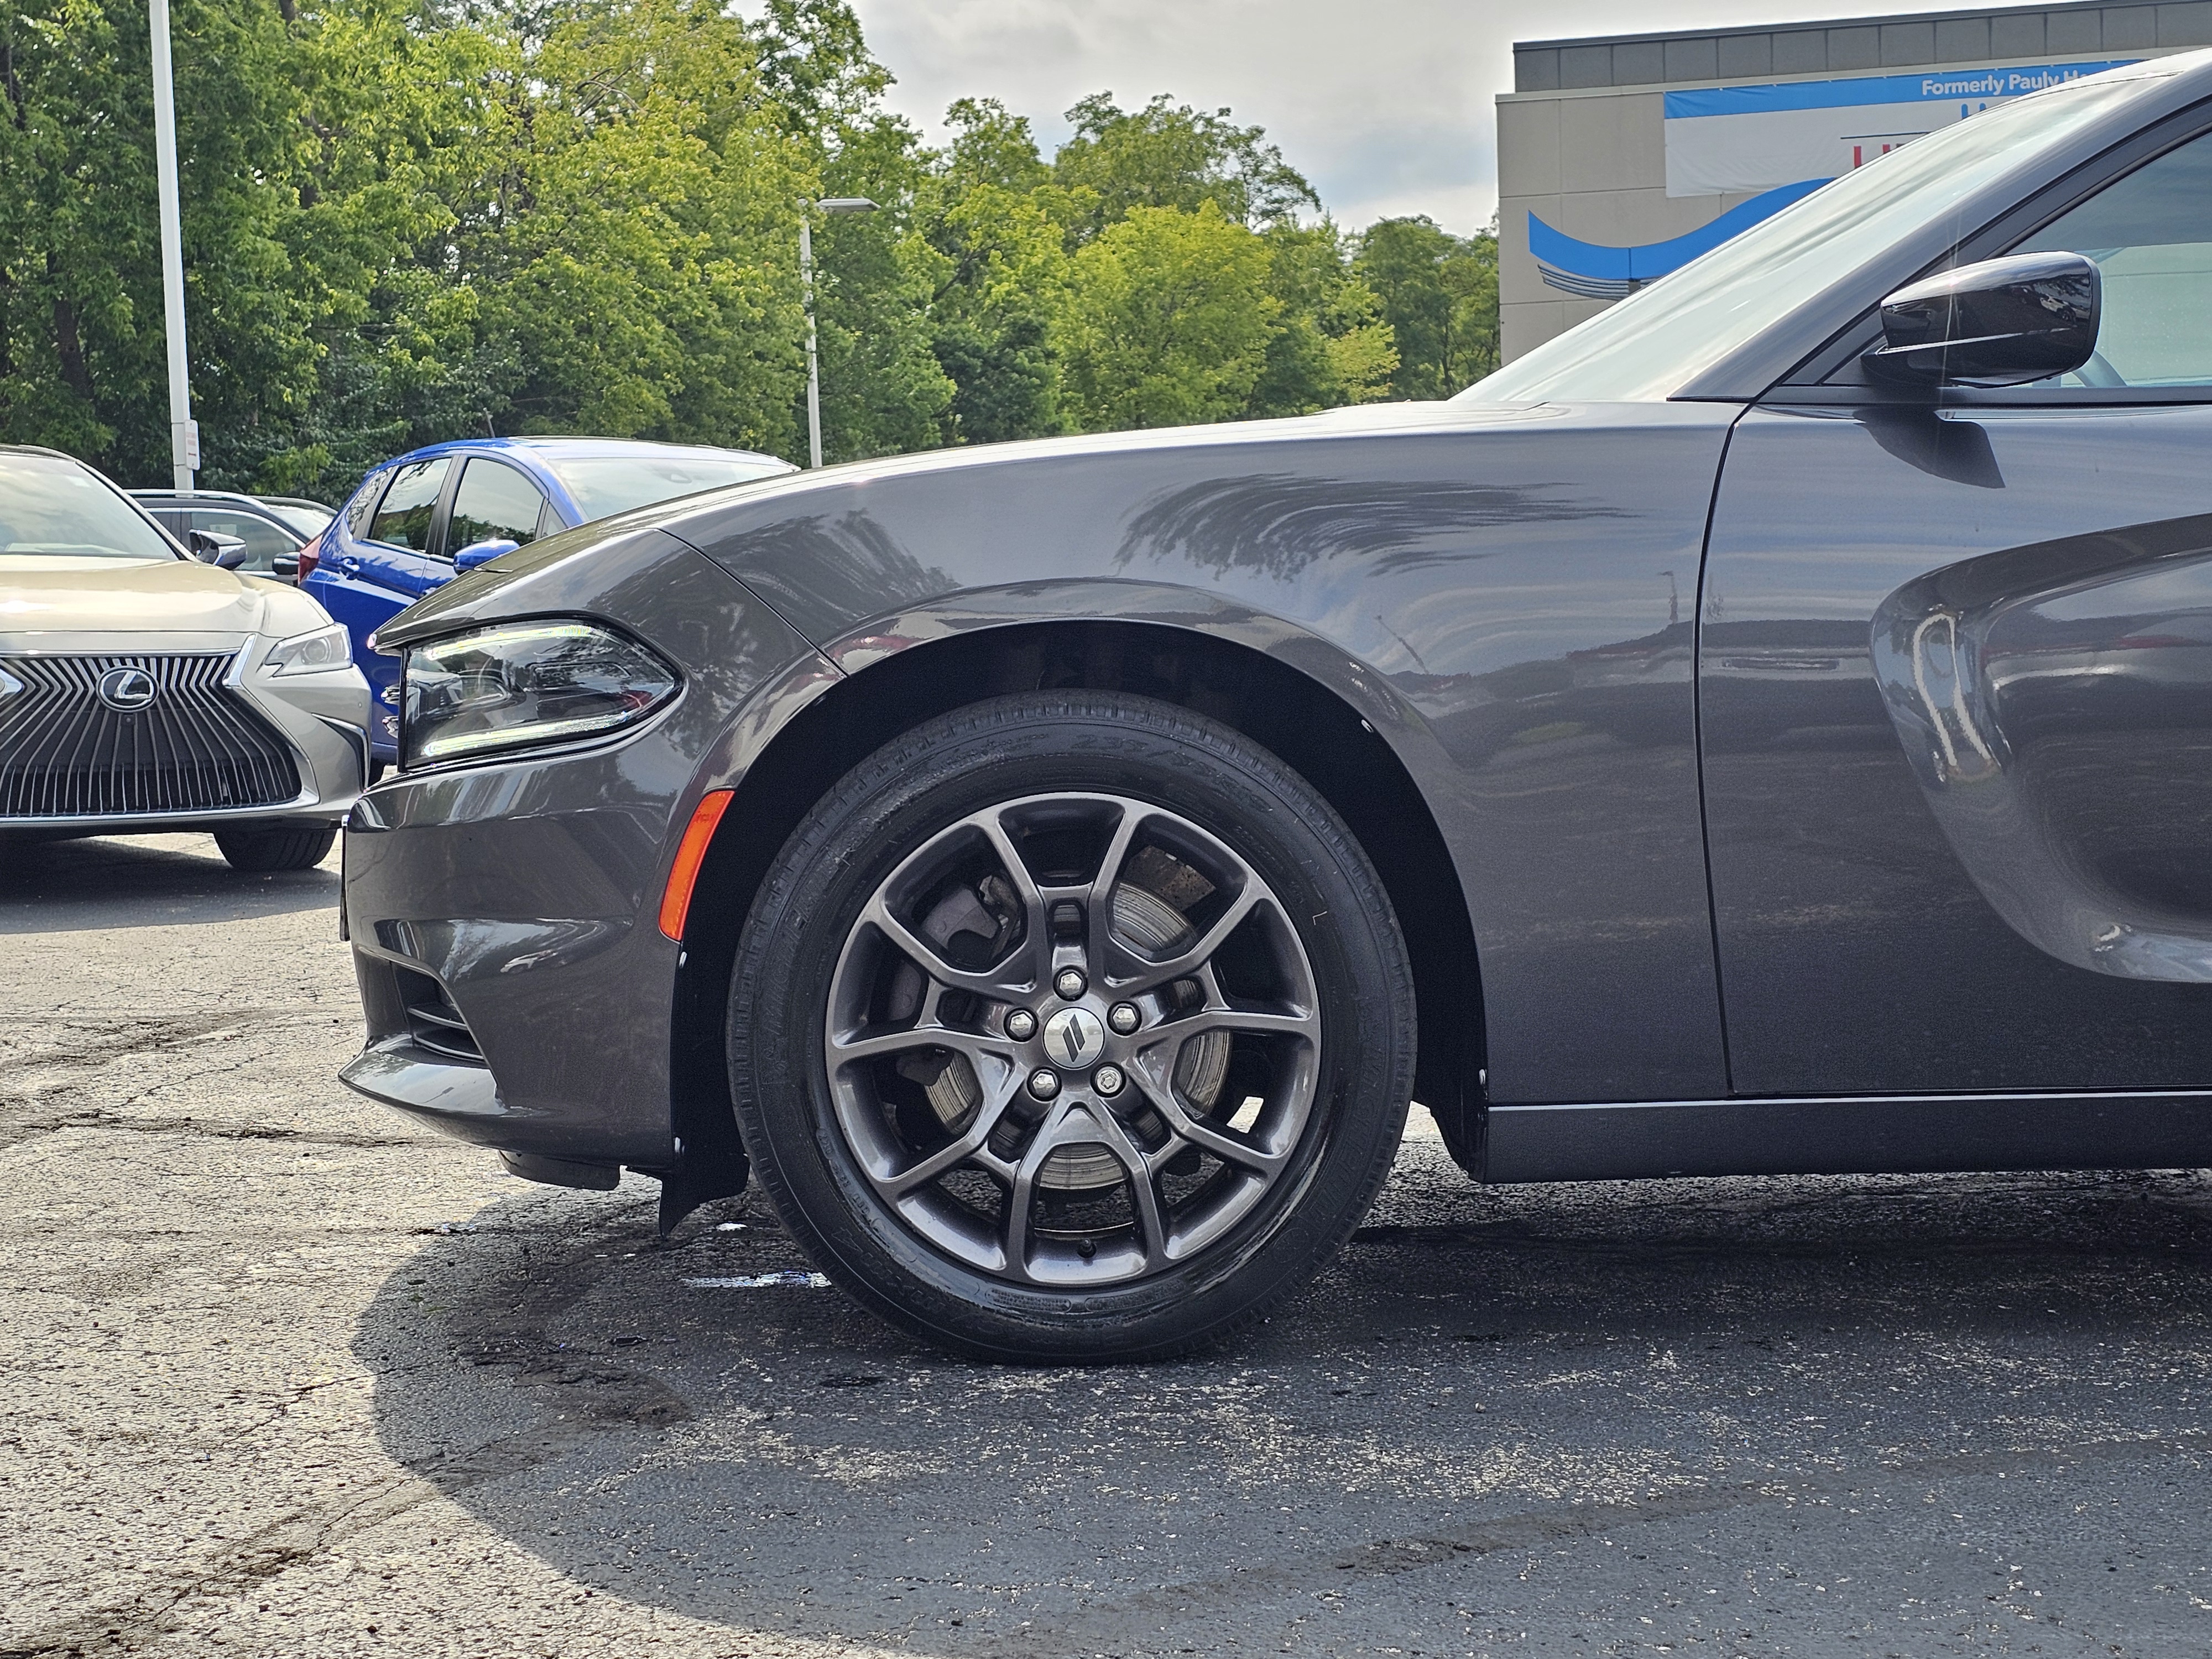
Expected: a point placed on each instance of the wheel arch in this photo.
(901, 676)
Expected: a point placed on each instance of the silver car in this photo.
(144, 691)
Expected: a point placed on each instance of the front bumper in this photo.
(321, 717)
(503, 914)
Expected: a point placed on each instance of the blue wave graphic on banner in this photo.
(1596, 271)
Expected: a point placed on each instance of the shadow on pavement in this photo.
(154, 881)
(1665, 1413)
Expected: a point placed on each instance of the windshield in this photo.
(1662, 337)
(306, 517)
(50, 506)
(604, 484)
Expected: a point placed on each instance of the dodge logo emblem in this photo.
(1075, 1037)
(126, 690)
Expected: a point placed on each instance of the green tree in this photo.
(1167, 321)
(644, 293)
(1331, 346)
(405, 132)
(883, 387)
(1170, 156)
(411, 220)
(1438, 292)
(81, 362)
(990, 212)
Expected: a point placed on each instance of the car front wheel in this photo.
(1071, 1026)
(257, 852)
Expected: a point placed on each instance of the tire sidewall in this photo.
(1040, 744)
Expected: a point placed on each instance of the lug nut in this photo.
(1069, 982)
(1124, 1018)
(1044, 1083)
(1021, 1025)
(1108, 1080)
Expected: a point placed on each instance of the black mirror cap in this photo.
(2002, 322)
(286, 566)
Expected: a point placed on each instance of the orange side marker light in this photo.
(690, 852)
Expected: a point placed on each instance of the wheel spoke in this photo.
(1021, 1195)
(1098, 908)
(1150, 975)
(991, 982)
(951, 1156)
(876, 1044)
(1143, 1194)
(1224, 1143)
(1036, 931)
(1244, 1020)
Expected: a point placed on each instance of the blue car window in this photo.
(403, 519)
(363, 502)
(495, 502)
(606, 484)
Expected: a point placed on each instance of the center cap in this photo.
(1075, 1037)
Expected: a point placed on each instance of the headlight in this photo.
(525, 683)
(308, 653)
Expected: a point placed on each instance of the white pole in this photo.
(813, 359)
(184, 432)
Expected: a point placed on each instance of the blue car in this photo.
(420, 520)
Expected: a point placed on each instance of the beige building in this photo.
(1619, 159)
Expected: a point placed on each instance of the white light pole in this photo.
(184, 432)
(833, 205)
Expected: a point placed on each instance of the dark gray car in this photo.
(1765, 729)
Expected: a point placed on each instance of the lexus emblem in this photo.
(1075, 1037)
(126, 690)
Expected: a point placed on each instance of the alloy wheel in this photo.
(1072, 1040)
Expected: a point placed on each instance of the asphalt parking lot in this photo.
(287, 1376)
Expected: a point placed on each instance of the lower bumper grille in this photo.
(100, 736)
(433, 1022)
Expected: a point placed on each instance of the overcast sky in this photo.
(1384, 103)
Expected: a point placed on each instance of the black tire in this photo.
(1356, 1060)
(257, 852)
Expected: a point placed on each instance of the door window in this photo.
(357, 510)
(403, 519)
(264, 540)
(495, 502)
(2150, 233)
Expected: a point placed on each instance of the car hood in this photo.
(39, 594)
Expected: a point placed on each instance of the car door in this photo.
(1955, 697)
(381, 568)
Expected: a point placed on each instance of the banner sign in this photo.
(1747, 140)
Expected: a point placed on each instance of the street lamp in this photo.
(184, 432)
(832, 204)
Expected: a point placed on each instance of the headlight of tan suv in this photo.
(308, 653)
(523, 684)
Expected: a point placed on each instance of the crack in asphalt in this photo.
(19, 1121)
(71, 1046)
(580, 1397)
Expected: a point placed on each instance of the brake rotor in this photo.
(1158, 929)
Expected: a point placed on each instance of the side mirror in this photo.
(476, 553)
(223, 552)
(2003, 322)
(286, 567)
